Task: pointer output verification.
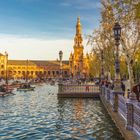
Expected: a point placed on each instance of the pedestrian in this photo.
(87, 88)
(122, 86)
(136, 90)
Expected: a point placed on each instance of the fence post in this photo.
(115, 100)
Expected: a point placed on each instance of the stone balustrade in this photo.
(78, 90)
(136, 115)
(128, 109)
(122, 106)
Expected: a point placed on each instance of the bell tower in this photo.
(78, 50)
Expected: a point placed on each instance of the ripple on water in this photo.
(41, 115)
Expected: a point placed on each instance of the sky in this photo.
(39, 29)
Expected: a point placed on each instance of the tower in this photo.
(78, 50)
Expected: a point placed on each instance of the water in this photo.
(40, 115)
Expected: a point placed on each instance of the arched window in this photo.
(53, 72)
(2, 72)
(2, 66)
(66, 72)
(57, 72)
(49, 72)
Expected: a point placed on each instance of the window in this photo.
(53, 72)
(57, 72)
(23, 72)
(2, 66)
(65, 72)
(49, 72)
(2, 72)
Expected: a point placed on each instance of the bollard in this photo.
(115, 100)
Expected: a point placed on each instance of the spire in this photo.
(78, 27)
(78, 36)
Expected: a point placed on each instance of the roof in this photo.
(1, 54)
(37, 62)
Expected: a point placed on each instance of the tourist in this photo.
(87, 88)
(136, 90)
(122, 86)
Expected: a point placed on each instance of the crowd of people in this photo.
(135, 89)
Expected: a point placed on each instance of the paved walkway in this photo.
(120, 123)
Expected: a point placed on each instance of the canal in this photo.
(41, 115)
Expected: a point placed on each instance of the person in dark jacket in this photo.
(136, 90)
(122, 86)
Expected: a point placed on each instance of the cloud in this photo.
(35, 48)
(65, 4)
(82, 4)
(28, 1)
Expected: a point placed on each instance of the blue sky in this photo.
(44, 21)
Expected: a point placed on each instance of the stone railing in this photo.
(78, 88)
(122, 106)
(136, 123)
(127, 108)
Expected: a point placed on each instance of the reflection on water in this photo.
(40, 115)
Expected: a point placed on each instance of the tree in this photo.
(102, 39)
(127, 13)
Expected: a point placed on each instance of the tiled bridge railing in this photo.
(136, 115)
(128, 109)
(78, 88)
(122, 106)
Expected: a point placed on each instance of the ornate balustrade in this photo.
(107, 94)
(122, 106)
(136, 117)
(111, 98)
(78, 90)
(129, 110)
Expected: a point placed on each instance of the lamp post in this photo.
(102, 66)
(27, 62)
(70, 68)
(117, 35)
(60, 58)
(6, 66)
(136, 72)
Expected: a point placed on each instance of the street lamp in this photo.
(27, 63)
(136, 72)
(6, 66)
(102, 66)
(60, 57)
(70, 68)
(117, 35)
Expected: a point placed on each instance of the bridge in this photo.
(78, 90)
(124, 111)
